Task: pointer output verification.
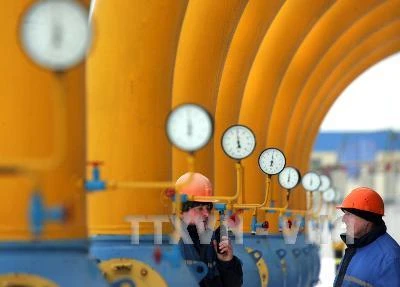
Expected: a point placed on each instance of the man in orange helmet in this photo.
(224, 269)
(372, 256)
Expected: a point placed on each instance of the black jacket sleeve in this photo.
(231, 272)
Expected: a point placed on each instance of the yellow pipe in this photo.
(256, 17)
(59, 137)
(255, 206)
(228, 199)
(129, 98)
(199, 62)
(357, 61)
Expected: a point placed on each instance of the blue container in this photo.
(64, 263)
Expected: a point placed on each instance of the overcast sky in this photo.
(371, 102)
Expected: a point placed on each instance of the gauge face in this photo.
(325, 182)
(271, 161)
(311, 181)
(189, 127)
(329, 195)
(238, 142)
(289, 177)
(55, 33)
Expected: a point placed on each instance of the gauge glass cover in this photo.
(189, 127)
(325, 182)
(289, 177)
(55, 33)
(329, 195)
(311, 181)
(238, 142)
(272, 161)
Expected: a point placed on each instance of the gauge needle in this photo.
(237, 138)
(189, 128)
(272, 159)
(288, 179)
(189, 125)
(56, 35)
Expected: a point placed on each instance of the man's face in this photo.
(355, 225)
(198, 215)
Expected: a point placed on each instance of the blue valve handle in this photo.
(254, 224)
(95, 183)
(123, 282)
(221, 207)
(39, 214)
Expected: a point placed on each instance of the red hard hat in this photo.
(193, 183)
(364, 198)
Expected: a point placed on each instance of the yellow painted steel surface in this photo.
(24, 280)
(270, 64)
(129, 80)
(275, 66)
(32, 104)
(141, 274)
(204, 42)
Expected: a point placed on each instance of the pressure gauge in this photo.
(289, 177)
(271, 161)
(329, 195)
(189, 127)
(325, 182)
(55, 33)
(238, 142)
(311, 181)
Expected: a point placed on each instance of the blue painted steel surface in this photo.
(105, 247)
(66, 263)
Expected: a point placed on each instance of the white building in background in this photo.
(354, 159)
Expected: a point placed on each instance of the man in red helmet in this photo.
(224, 269)
(372, 256)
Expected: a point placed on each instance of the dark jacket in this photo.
(372, 260)
(220, 273)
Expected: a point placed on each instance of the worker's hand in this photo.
(225, 247)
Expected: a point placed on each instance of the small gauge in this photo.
(55, 33)
(311, 181)
(325, 182)
(238, 142)
(289, 177)
(189, 127)
(329, 195)
(272, 161)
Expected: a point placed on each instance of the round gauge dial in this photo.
(55, 33)
(289, 177)
(189, 127)
(329, 195)
(311, 181)
(325, 182)
(271, 161)
(238, 142)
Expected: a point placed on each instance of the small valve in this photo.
(95, 183)
(40, 214)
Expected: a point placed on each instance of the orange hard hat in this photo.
(194, 183)
(365, 199)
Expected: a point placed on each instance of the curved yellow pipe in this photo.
(129, 79)
(203, 45)
(392, 46)
(375, 40)
(277, 49)
(381, 16)
(251, 29)
(328, 32)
